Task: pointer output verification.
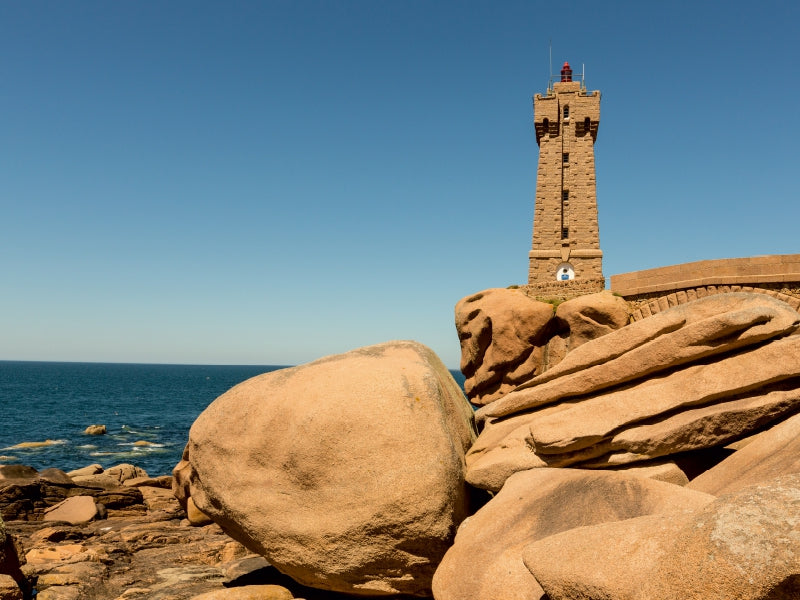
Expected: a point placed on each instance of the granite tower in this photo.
(566, 240)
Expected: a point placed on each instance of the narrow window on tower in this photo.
(566, 111)
(564, 233)
(565, 196)
(565, 157)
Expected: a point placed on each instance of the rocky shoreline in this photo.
(610, 460)
(140, 545)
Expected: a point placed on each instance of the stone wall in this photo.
(754, 271)
(651, 304)
(655, 290)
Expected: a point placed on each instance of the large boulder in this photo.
(582, 319)
(485, 562)
(771, 454)
(503, 333)
(744, 545)
(346, 474)
(508, 338)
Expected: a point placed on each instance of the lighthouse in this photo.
(566, 238)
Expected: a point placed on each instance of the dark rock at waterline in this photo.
(144, 548)
(27, 494)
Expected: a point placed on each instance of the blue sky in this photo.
(271, 182)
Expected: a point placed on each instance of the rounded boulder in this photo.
(346, 474)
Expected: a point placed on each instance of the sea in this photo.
(45, 407)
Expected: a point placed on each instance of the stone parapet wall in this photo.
(755, 271)
(564, 290)
(651, 304)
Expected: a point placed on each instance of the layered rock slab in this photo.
(73, 510)
(773, 453)
(736, 374)
(744, 545)
(743, 374)
(680, 335)
(485, 562)
(347, 473)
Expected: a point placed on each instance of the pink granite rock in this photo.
(248, 592)
(595, 419)
(74, 510)
(346, 473)
(744, 545)
(689, 379)
(681, 335)
(585, 318)
(502, 333)
(485, 562)
(775, 452)
(507, 337)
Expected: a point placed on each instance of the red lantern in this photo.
(566, 72)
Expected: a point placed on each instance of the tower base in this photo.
(564, 290)
(547, 266)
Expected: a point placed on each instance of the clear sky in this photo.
(271, 182)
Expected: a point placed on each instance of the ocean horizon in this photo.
(147, 410)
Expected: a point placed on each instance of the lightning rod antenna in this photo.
(550, 80)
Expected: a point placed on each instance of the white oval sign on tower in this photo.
(565, 272)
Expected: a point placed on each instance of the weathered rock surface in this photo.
(503, 448)
(503, 333)
(697, 376)
(17, 472)
(87, 470)
(507, 337)
(11, 560)
(744, 545)
(74, 510)
(95, 430)
(582, 319)
(345, 473)
(9, 589)
(195, 515)
(694, 428)
(485, 562)
(151, 553)
(773, 453)
(678, 336)
(249, 592)
(658, 470)
(595, 419)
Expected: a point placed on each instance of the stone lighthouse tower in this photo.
(566, 253)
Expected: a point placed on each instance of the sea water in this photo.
(147, 410)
